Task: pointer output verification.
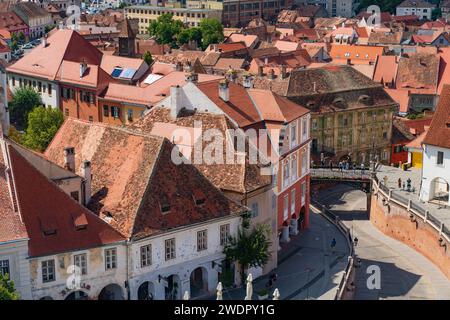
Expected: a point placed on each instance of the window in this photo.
(130, 114)
(49, 89)
(91, 119)
(48, 271)
(202, 240)
(294, 168)
(285, 207)
(115, 112)
(255, 210)
(274, 202)
(303, 192)
(293, 136)
(293, 200)
(286, 174)
(66, 112)
(110, 259)
(170, 249)
(80, 260)
(39, 86)
(224, 234)
(4, 267)
(105, 111)
(146, 255)
(304, 129)
(304, 162)
(13, 81)
(440, 158)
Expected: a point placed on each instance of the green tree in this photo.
(43, 123)
(13, 45)
(123, 5)
(49, 28)
(250, 248)
(436, 13)
(147, 57)
(165, 29)
(190, 34)
(212, 32)
(23, 101)
(7, 290)
(22, 37)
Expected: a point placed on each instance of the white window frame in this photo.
(202, 240)
(48, 270)
(293, 200)
(5, 263)
(146, 255)
(110, 258)
(293, 135)
(285, 207)
(224, 234)
(170, 249)
(80, 260)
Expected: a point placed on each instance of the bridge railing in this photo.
(413, 207)
(336, 173)
(346, 232)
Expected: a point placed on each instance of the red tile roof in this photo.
(232, 46)
(44, 205)
(130, 179)
(11, 228)
(439, 132)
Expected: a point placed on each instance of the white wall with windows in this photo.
(48, 90)
(435, 174)
(98, 267)
(176, 254)
(13, 261)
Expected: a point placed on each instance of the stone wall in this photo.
(394, 221)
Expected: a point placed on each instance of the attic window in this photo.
(79, 221)
(339, 101)
(364, 99)
(310, 104)
(199, 197)
(48, 226)
(107, 216)
(164, 204)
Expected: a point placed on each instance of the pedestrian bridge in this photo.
(359, 178)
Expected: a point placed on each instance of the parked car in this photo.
(29, 45)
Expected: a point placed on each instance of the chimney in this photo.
(283, 71)
(179, 66)
(271, 74)
(349, 62)
(260, 71)
(192, 77)
(69, 158)
(83, 68)
(247, 81)
(44, 41)
(224, 90)
(266, 61)
(175, 101)
(87, 175)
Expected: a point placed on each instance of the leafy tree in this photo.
(250, 248)
(43, 123)
(49, 28)
(123, 5)
(23, 101)
(7, 290)
(436, 13)
(22, 37)
(14, 37)
(147, 57)
(13, 45)
(190, 34)
(212, 32)
(165, 29)
(14, 134)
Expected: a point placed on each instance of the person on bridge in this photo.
(399, 183)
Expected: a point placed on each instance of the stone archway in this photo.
(77, 295)
(199, 282)
(47, 298)
(439, 191)
(173, 289)
(146, 291)
(111, 292)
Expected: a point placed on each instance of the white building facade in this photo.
(436, 174)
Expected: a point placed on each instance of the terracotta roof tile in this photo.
(439, 132)
(43, 204)
(418, 73)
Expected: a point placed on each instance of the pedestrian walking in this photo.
(333, 245)
(399, 183)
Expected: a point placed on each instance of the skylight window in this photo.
(116, 72)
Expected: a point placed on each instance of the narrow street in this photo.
(405, 274)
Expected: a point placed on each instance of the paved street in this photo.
(405, 274)
(309, 250)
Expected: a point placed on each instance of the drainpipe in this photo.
(128, 245)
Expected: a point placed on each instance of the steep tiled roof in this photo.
(11, 228)
(415, 4)
(235, 177)
(232, 46)
(356, 53)
(227, 63)
(44, 207)
(62, 45)
(381, 37)
(439, 132)
(400, 133)
(419, 73)
(31, 9)
(386, 69)
(248, 39)
(131, 179)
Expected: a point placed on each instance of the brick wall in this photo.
(394, 221)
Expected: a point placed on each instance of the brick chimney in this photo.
(271, 74)
(87, 175)
(69, 158)
(260, 71)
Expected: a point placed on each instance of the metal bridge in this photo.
(359, 178)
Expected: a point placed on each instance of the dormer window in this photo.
(164, 204)
(79, 221)
(199, 197)
(48, 226)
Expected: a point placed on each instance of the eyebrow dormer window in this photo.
(199, 197)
